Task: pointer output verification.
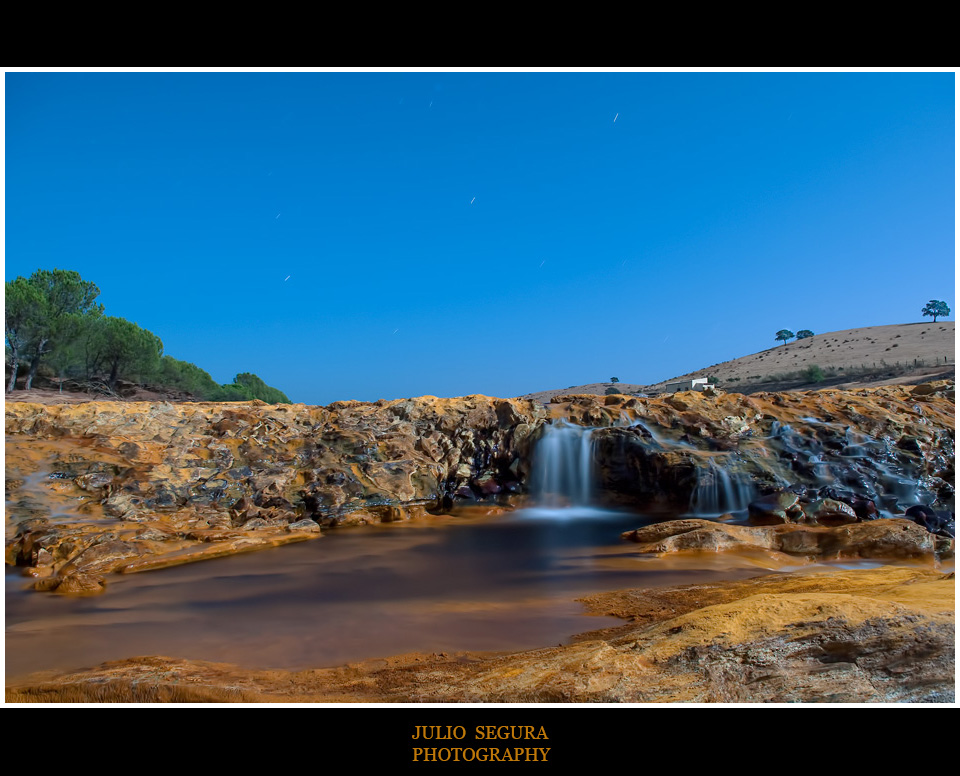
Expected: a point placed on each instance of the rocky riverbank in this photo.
(104, 487)
(881, 635)
(98, 488)
(824, 457)
(122, 487)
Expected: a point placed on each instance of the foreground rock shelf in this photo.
(872, 539)
(881, 635)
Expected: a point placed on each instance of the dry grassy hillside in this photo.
(914, 345)
(872, 355)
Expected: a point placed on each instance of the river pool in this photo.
(440, 584)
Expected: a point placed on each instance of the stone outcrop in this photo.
(882, 635)
(827, 456)
(874, 539)
(125, 486)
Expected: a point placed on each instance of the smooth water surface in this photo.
(438, 584)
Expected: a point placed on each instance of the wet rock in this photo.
(841, 443)
(104, 554)
(487, 486)
(830, 512)
(909, 443)
(780, 507)
(94, 481)
(73, 585)
(199, 471)
(304, 525)
(875, 539)
(865, 509)
(941, 523)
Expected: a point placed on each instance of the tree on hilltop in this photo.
(804, 333)
(936, 308)
(785, 334)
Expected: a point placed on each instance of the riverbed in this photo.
(441, 584)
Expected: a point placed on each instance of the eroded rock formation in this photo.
(113, 486)
(874, 539)
(827, 457)
(125, 486)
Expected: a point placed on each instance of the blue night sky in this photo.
(496, 233)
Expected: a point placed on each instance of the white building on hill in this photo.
(696, 384)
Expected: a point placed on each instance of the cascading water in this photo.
(718, 491)
(663, 442)
(564, 466)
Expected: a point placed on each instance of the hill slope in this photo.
(871, 355)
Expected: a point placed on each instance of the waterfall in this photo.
(563, 466)
(718, 491)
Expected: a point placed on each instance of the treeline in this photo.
(56, 327)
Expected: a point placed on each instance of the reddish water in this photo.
(436, 585)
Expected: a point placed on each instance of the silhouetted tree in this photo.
(785, 334)
(936, 308)
(804, 333)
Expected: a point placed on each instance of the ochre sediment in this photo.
(881, 635)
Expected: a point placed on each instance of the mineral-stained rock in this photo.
(241, 475)
(874, 539)
(180, 469)
(73, 584)
(851, 446)
(870, 636)
(783, 506)
(829, 511)
(304, 525)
